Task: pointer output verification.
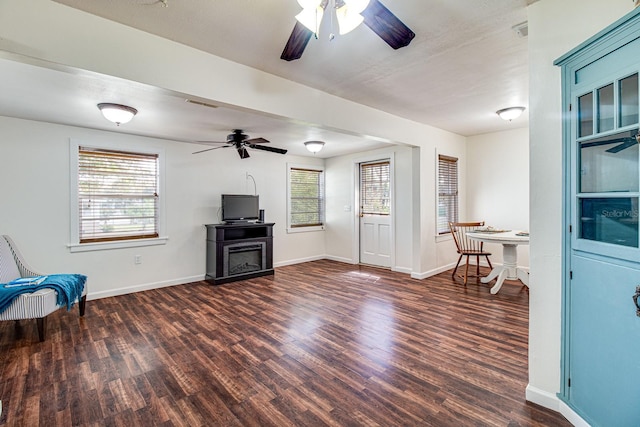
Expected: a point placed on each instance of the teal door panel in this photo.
(601, 243)
(605, 343)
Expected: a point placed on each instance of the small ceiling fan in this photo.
(241, 141)
(376, 16)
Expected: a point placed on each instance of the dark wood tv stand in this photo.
(239, 251)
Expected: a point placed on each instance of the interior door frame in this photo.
(390, 156)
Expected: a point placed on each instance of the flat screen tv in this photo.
(240, 208)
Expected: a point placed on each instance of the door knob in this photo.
(635, 300)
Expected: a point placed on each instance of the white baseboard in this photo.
(405, 270)
(571, 416)
(433, 272)
(551, 401)
(298, 261)
(140, 288)
(542, 398)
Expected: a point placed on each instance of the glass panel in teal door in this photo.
(585, 115)
(609, 163)
(605, 108)
(609, 182)
(610, 220)
(629, 100)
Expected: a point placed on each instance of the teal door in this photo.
(601, 340)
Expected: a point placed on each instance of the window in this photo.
(116, 196)
(374, 188)
(447, 192)
(306, 198)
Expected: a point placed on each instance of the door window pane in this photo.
(375, 180)
(610, 220)
(605, 108)
(585, 115)
(629, 100)
(609, 163)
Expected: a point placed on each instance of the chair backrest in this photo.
(8, 267)
(459, 232)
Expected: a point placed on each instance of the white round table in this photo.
(509, 268)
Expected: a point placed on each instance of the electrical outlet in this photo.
(137, 259)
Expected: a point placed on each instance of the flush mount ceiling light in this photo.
(314, 146)
(348, 14)
(510, 113)
(117, 113)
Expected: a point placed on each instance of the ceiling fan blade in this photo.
(297, 42)
(386, 25)
(243, 152)
(603, 141)
(266, 148)
(256, 141)
(209, 149)
(629, 143)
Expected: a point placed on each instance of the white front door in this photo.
(375, 213)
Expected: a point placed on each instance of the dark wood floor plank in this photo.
(317, 344)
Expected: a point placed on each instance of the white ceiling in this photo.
(465, 63)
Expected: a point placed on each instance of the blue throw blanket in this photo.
(68, 286)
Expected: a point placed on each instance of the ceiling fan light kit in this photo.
(117, 113)
(314, 146)
(349, 14)
(510, 113)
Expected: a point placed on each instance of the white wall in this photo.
(53, 32)
(35, 206)
(498, 184)
(555, 27)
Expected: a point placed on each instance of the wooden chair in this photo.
(467, 246)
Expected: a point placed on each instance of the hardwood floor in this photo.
(320, 343)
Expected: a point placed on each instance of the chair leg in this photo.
(477, 267)
(489, 261)
(82, 305)
(466, 271)
(453, 275)
(42, 327)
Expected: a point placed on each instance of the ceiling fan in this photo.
(376, 16)
(241, 141)
(623, 142)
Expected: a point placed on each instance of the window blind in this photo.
(117, 195)
(306, 197)
(447, 192)
(375, 188)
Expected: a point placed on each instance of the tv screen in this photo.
(240, 207)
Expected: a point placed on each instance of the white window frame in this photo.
(446, 234)
(291, 229)
(74, 215)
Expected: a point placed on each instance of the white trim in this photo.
(572, 416)
(298, 261)
(437, 183)
(305, 229)
(74, 216)
(552, 402)
(542, 398)
(143, 287)
(433, 272)
(102, 246)
(404, 270)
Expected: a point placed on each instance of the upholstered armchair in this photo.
(30, 305)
